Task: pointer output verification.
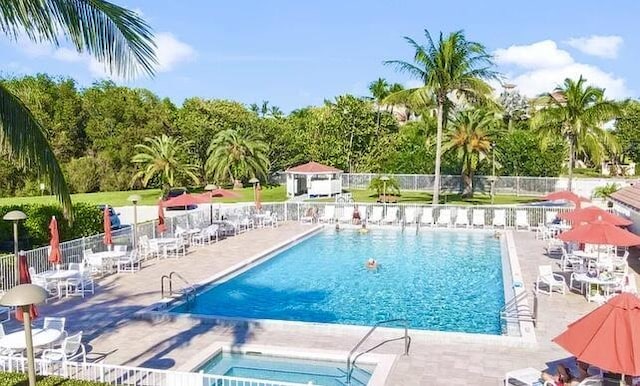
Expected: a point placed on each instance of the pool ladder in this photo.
(189, 291)
(515, 311)
(351, 359)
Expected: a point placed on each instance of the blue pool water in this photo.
(439, 280)
(285, 369)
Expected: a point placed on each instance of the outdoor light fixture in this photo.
(134, 198)
(15, 216)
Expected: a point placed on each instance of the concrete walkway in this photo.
(114, 336)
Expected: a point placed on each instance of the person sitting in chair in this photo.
(564, 377)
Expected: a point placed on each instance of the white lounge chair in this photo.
(392, 215)
(130, 263)
(444, 219)
(362, 209)
(329, 214)
(376, 215)
(462, 217)
(310, 215)
(71, 349)
(347, 215)
(410, 215)
(478, 218)
(550, 280)
(522, 221)
(427, 217)
(500, 218)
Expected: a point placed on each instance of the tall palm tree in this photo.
(380, 89)
(471, 140)
(236, 155)
(576, 113)
(451, 65)
(114, 35)
(163, 156)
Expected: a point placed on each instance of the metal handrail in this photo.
(406, 338)
(513, 312)
(190, 289)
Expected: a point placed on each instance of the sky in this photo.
(299, 53)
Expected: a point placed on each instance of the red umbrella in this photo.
(566, 196)
(593, 213)
(161, 226)
(221, 193)
(25, 278)
(186, 199)
(106, 223)
(608, 336)
(55, 256)
(600, 232)
(258, 196)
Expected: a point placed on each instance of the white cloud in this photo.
(67, 55)
(537, 55)
(541, 66)
(170, 51)
(596, 45)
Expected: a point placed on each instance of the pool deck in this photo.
(113, 335)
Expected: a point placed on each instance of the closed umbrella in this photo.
(593, 213)
(608, 336)
(55, 256)
(106, 223)
(25, 278)
(161, 227)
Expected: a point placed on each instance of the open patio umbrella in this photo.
(55, 256)
(161, 227)
(186, 199)
(25, 278)
(602, 233)
(106, 223)
(607, 337)
(566, 196)
(218, 193)
(593, 213)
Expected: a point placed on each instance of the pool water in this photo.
(273, 368)
(443, 280)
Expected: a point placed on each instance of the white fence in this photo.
(130, 376)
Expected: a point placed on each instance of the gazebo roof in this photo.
(629, 196)
(313, 168)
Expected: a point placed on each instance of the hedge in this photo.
(34, 232)
(21, 379)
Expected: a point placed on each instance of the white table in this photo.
(59, 276)
(17, 340)
(107, 255)
(528, 376)
(584, 278)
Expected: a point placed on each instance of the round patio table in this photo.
(41, 337)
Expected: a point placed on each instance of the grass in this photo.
(149, 197)
(19, 379)
(408, 197)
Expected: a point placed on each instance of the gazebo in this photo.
(313, 179)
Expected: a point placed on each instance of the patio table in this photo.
(41, 337)
(59, 276)
(590, 281)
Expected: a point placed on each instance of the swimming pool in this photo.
(446, 280)
(274, 368)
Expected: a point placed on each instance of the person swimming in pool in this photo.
(372, 264)
(364, 228)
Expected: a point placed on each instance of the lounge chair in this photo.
(392, 215)
(347, 215)
(427, 217)
(521, 220)
(410, 215)
(550, 217)
(329, 214)
(478, 218)
(310, 215)
(130, 263)
(550, 280)
(362, 209)
(444, 219)
(462, 217)
(500, 218)
(376, 215)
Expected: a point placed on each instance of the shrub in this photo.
(83, 174)
(378, 185)
(87, 222)
(606, 191)
(20, 379)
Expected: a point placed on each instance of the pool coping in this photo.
(526, 338)
(383, 363)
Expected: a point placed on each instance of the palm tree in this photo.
(114, 35)
(236, 155)
(452, 65)
(380, 89)
(576, 113)
(163, 156)
(471, 140)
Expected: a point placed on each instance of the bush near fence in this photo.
(34, 231)
(19, 379)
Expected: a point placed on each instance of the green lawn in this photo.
(149, 197)
(445, 198)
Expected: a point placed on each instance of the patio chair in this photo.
(347, 215)
(550, 279)
(499, 218)
(550, 217)
(51, 287)
(427, 217)
(329, 214)
(410, 215)
(310, 215)
(444, 219)
(175, 248)
(120, 248)
(478, 218)
(270, 219)
(521, 220)
(392, 215)
(54, 323)
(79, 286)
(362, 209)
(569, 262)
(71, 349)
(376, 215)
(462, 217)
(130, 263)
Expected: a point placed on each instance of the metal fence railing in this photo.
(130, 376)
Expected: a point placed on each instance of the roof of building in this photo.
(629, 196)
(313, 168)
